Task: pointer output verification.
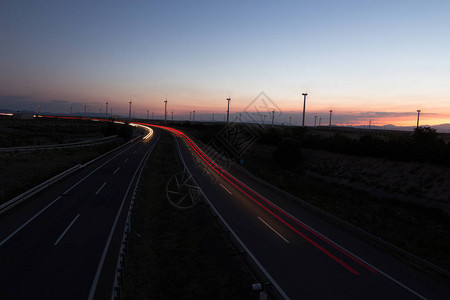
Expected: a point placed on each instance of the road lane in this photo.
(52, 247)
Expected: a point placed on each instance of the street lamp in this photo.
(304, 105)
(273, 117)
(129, 111)
(106, 111)
(418, 114)
(331, 111)
(165, 111)
(315, 120)
(228, 110)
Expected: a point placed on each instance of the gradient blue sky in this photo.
(377, 60)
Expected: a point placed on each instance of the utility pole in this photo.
(331, 111)
(304, 105)
(228, 110)
(165, 111)
(315, 120)
(172, 115)
(106, 110)
(129, 111)
(273, 117)
(320, 121)
(193, 116)
(418, 115)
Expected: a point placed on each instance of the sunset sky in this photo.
(365, 60)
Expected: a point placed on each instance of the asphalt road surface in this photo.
(306, 256)
(64, 242)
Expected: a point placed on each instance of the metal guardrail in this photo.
(59, 146)
(33, 191)
(121, 260)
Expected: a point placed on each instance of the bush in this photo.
(288, 153)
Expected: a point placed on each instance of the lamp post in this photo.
(418, 115)
(172, 115)
(165, 111)
(315, 120)
(228, 110)
(273, 117)
(106, 110)
(129, 111)
(193, 116)
(304, 105)
(331, 111)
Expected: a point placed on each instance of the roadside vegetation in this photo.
(178, 254)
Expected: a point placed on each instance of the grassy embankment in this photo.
(177, 254)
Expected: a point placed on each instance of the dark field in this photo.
(45, 131)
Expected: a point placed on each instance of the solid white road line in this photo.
(274, 230)
(105, 250)
(65, 231)
(98, 191)
(225, 189)
(116, 170)
(27, 222)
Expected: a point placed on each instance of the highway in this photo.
(305, 256)
(64, 242)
